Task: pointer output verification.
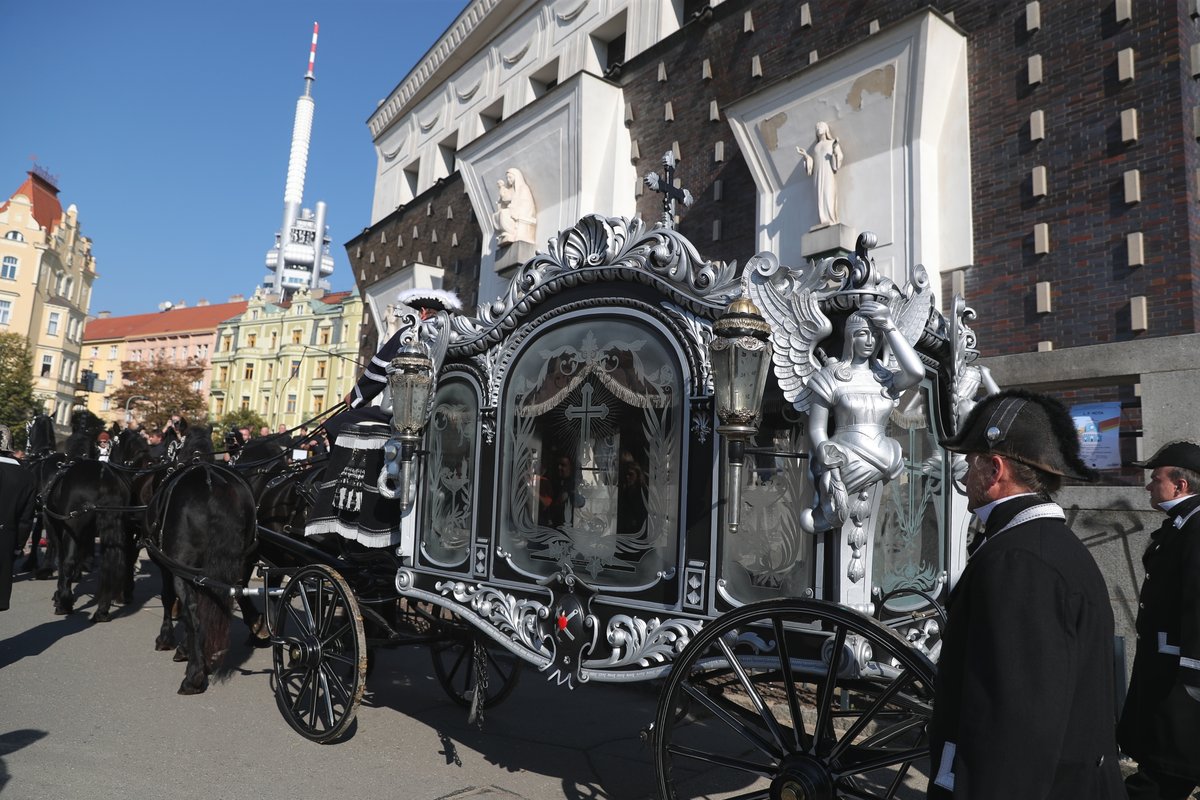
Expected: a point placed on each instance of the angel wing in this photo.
(797, 324)
(911, 312)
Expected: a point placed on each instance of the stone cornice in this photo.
(469, 22)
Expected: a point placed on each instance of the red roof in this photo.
(44, 196)
(177, 320)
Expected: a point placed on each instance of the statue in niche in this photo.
(516, 213)
(822, 164)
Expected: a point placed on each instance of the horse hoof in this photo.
(184, 688)
(179, 656)
(101, 616)
(62, 611)
(176, 610)
(163, 645)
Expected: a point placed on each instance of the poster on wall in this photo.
(1099, 429)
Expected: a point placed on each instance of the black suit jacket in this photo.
(1024, 699)
(1160, 725)
(17, 491)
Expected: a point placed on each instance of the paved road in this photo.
(90, 712)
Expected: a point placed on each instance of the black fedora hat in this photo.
(1185, 455)
(1027, 427)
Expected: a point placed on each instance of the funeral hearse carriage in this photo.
(640, 464)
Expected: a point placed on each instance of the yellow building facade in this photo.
(288, 361)
(46, 276)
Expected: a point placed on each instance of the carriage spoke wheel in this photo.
(759, 706)
(454, 664)
(320, 654)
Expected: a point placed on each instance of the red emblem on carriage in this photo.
(562, 622)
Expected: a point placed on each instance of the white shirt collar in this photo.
(983, 512)
(9, 460)
(1168, 505)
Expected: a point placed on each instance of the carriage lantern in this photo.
(410, 377)
(741, 356)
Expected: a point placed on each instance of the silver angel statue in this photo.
(850, 399)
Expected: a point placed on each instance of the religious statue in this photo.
(854, 395)
(823, 163)
(516, 213)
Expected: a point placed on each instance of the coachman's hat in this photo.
(1185, 455)
(1030, 428)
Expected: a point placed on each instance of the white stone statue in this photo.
(516, 212)
(823, 163)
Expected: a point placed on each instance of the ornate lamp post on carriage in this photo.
(562, 497)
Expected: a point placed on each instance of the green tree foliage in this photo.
(159, 389)
(238, 418)
(17, 403)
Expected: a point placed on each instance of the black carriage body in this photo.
(571, 485)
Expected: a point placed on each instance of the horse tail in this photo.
(231, 528)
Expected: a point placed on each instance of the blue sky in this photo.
(168, 124)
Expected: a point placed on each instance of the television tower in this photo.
(300, 256)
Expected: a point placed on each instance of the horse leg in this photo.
(254, 619)
(112, 566)
(195, 679)
(64, 601)
(166, 633)
(50, 532)
(132, 551)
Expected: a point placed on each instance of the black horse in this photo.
(43, 460)
(85, 500)
(202, 519)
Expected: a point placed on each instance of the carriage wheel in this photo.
(320, 654)
(757, 706)
(453, 663)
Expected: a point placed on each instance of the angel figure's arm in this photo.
(806, 158)
(911, 369)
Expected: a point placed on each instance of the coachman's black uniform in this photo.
(17, 490)
(1024, 701)
(370, 384)
(1160, 726)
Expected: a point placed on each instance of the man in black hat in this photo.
(1160, 725)
(17, 492)
(1024, 702)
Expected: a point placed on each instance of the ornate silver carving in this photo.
(515, 617)
(645, 643)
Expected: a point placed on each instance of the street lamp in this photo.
(128, 413)
(741, 357)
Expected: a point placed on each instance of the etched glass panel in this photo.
(770, 556)
(590, 471)
(450, 512)
(908, 551)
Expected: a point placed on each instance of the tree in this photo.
(159, 389)
(238, 418)
(17, 403)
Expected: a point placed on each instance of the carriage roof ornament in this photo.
(671, 193)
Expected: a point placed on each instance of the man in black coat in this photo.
(1160, 726)
(1024, 704)
(17, 492)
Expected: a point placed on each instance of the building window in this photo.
(223, 374)
(105, 404)
(266, 404)
(5, 311)
(245, 402)
(8, 270)
(318, 403)
(112, 351)
(219, 406)
(172, 353)
(254, 314)
(296, 334)
(274, 339)
(52, 325)
(320, 369)
(197, 386)
(295, 368)
(95, 352)
(47, 365)
(203, 351)
(324, 336)
(248, 374)
(226, 343)
(108, 377)
(14, 236)
(70, 284)
(291, 404)
(137, 355)
(251, 339)
(270, 371)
